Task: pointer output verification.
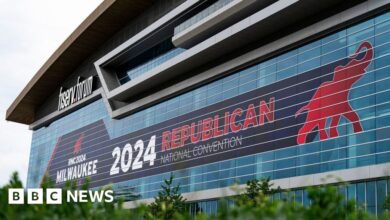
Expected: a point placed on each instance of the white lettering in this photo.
(75, 93)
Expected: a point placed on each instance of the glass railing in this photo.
(201, 15)
(151, 64)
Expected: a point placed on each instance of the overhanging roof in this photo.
(108, 18)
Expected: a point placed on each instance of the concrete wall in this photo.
(156, 11)
(283, 40)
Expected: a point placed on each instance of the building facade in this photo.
(216, 93)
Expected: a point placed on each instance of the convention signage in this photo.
(68, 97)
(288, 112)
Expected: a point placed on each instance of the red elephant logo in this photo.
(77, 145)
(331, 98)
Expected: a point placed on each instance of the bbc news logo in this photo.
(54, 196)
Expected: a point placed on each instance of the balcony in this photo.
(214, 19)
(254, 31)
(149, 65)
(200, 16)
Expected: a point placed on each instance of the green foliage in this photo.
(256, 192)
(87, 210)
(168, 203)
(265, 208)
(327, 203)
(386, 206)
(255, 203)
(263, 186)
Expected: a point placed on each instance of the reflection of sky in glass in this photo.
(151, 64)
(369, 98)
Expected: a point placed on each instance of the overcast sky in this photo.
(30, 31)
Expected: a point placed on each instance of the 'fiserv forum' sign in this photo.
(75, 93)
(288, 112)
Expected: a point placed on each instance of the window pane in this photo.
(361, 194)
(371, 197)
(381, 196)
(333, 47)
(248, 79)
(309, 57)
(287, 65)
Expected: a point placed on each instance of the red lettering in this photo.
(250, 118)
(196, 137)
(175, 142)
(207, 129)
(267, 111)
(235, 127)
(226, 127)
(185, 134)
(166, 136)
(217, 132)
(211, 127)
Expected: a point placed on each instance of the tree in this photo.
(256, 191)
(66, 210)
(326, 203)
(254, 187)
(168, 202)
(256, 203)
(386, 206)
(7, 211)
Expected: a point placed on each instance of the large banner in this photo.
(286, 113)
